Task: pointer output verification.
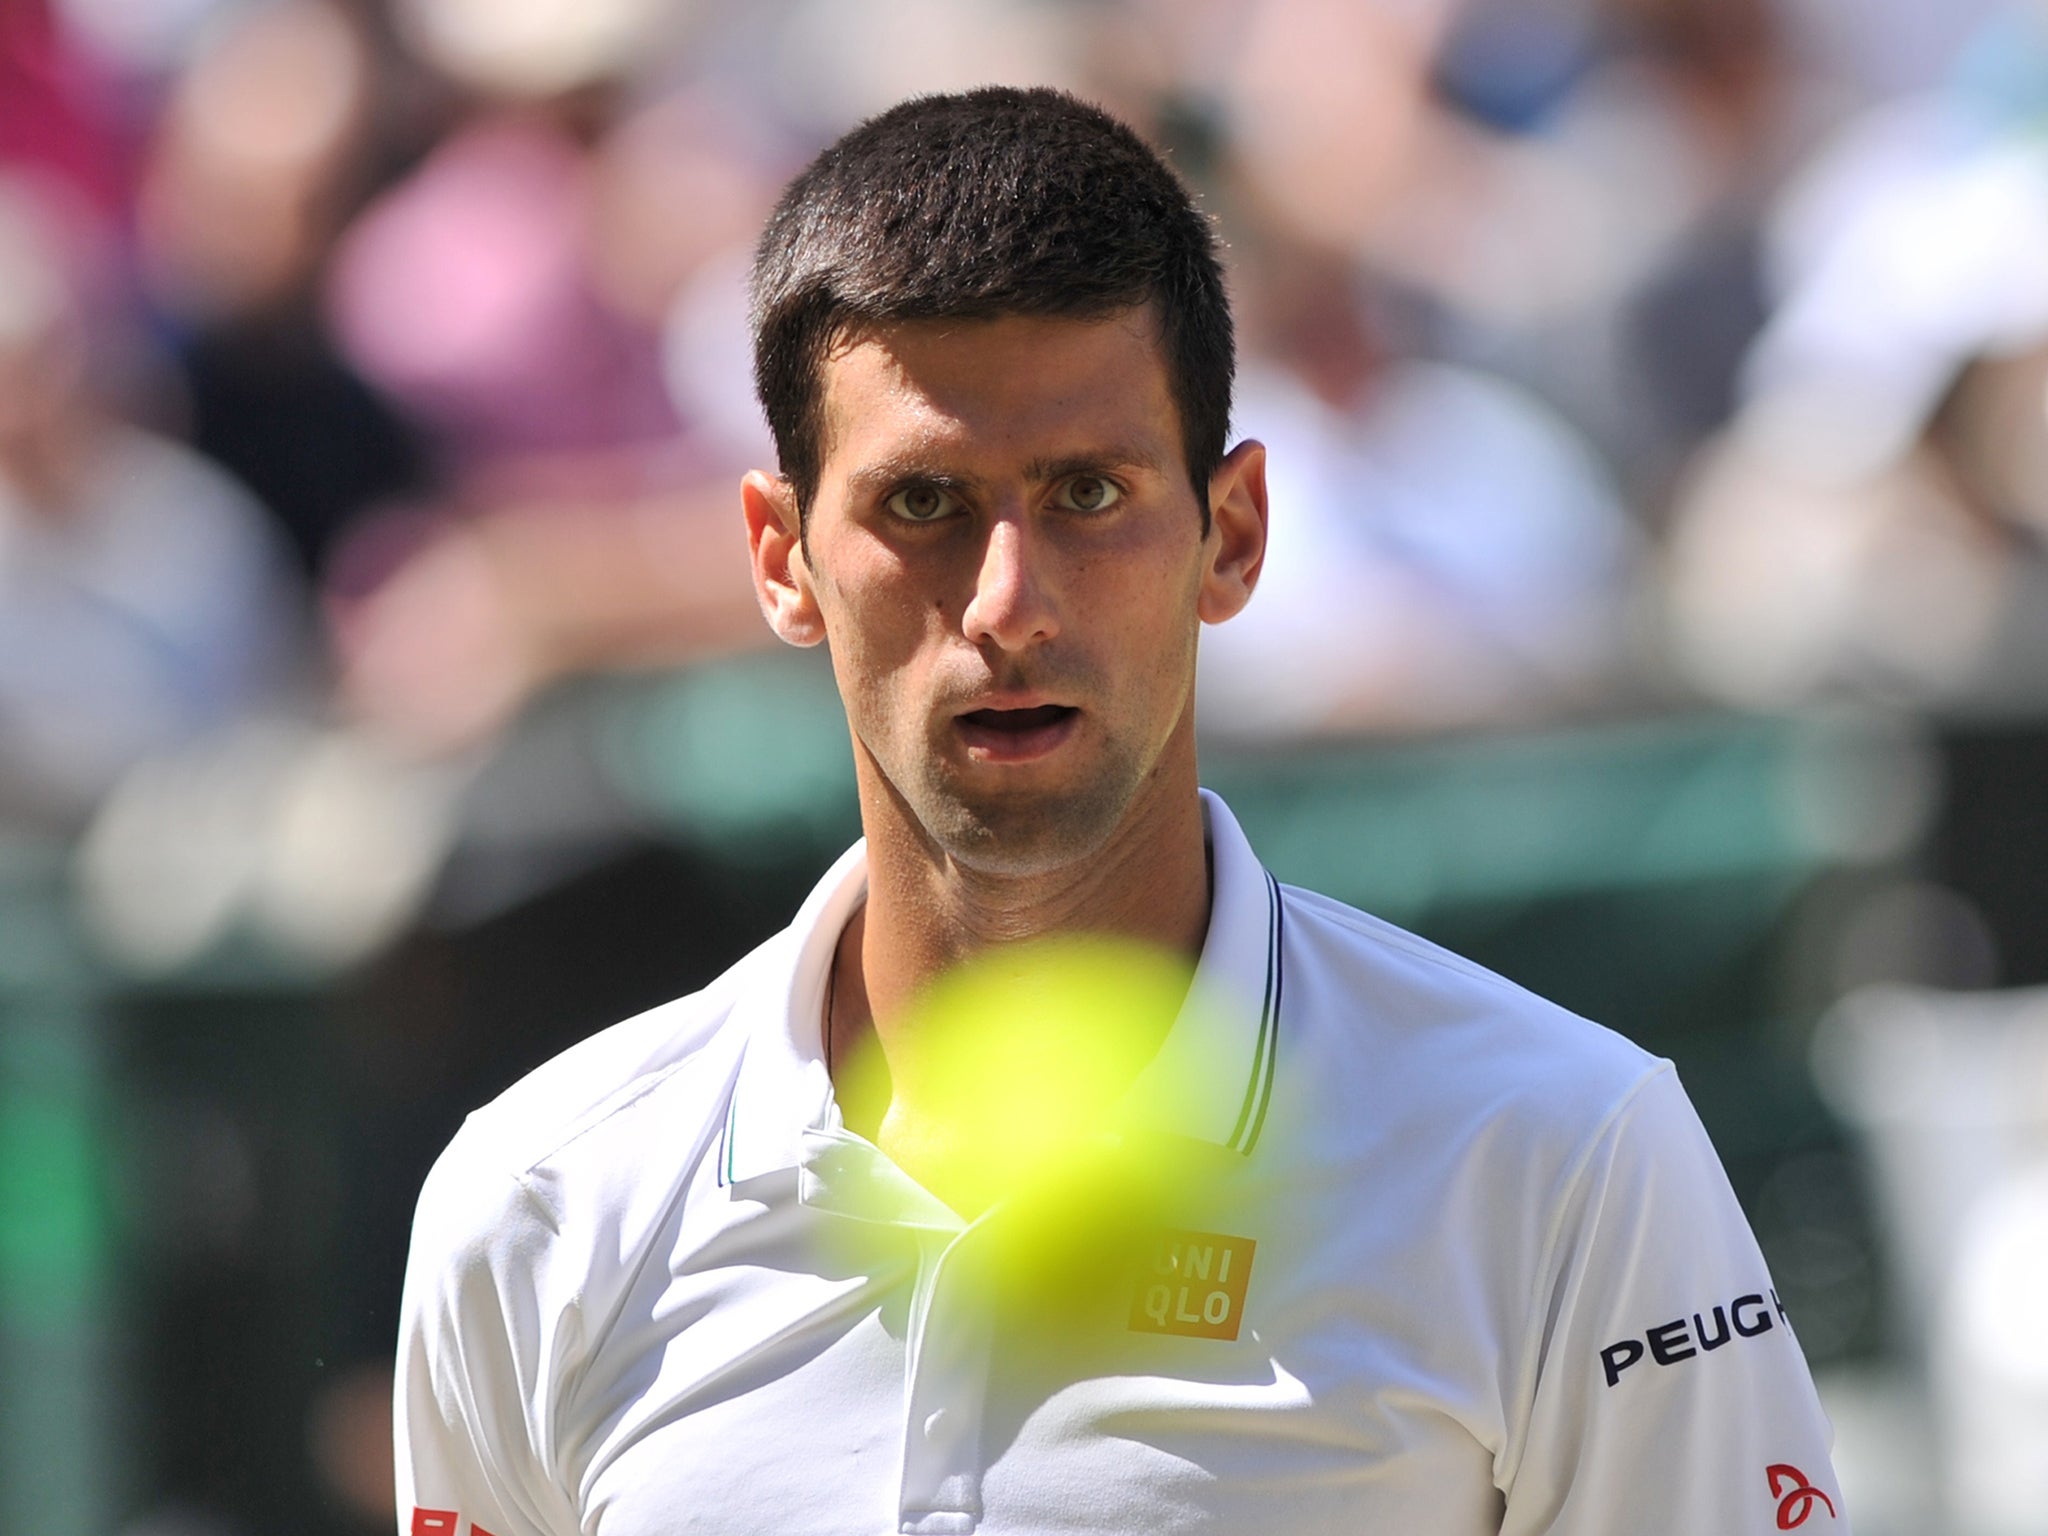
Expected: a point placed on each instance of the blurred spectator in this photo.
(835, 63)
(466, 292)
(513, 292)
(1872, 521)
(1446, 550)
(142, 597)
(262, 148)
(456, 290)
(58, 107)
(1592, 226)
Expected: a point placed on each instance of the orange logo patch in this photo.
(1194, 1285)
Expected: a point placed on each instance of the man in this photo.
(1426, 1255)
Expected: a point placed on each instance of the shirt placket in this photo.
(948, 1331)
(944, 1390)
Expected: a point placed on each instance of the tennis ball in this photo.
(1014, 1085)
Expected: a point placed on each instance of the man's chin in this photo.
(1023, 833)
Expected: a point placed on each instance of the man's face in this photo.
(1009, 565)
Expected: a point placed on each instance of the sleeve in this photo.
(1670, 1393)
(475, 1343)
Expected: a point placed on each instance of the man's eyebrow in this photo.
(887, 474)
(1093, 461)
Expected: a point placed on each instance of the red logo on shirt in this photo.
(441, 1522)
(1795, 1496)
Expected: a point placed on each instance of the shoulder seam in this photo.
(617, 1104)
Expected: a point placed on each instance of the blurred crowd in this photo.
(377, 363)
(371, 368)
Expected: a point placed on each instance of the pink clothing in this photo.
(464, 292)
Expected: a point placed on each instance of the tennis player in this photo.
(1422, 1253)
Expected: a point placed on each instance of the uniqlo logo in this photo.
(1194, 1285)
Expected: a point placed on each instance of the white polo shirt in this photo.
(1449, 1261)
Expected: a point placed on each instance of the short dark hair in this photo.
(989, 203)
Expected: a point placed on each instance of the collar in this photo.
(1211, 1080)
(1213, 1077)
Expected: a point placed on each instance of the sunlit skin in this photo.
(1007, 562)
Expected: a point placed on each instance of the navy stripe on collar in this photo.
(1258, 1092)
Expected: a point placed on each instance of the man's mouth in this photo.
(1016, 735)
(1018, 719)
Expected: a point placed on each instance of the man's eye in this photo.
(922, 503)
(1088, 493)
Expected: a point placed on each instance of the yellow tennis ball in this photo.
(1018, 1065)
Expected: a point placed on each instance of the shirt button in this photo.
(935, 1424)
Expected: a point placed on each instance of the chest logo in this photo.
(1194, 1285)
(1795, 1496)
(441, 1522)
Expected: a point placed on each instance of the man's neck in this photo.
(926, 912)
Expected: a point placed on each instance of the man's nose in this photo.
(1012, 606)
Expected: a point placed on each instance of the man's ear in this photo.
(782, 579)
(1237, 532)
